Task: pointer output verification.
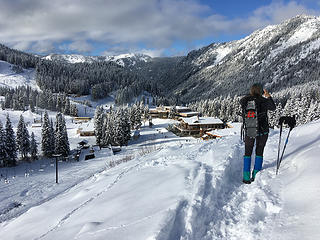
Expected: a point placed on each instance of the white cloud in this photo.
(80, 46)
(156, 24)
(121, 50)
(45, 46)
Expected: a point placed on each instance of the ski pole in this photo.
(284, 148)
(279, 149)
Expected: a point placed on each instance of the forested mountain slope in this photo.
(278, 56)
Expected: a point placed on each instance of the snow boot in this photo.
(246, 169)
(257, 167)
(246, 178)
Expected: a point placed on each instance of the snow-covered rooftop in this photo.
(189, 113)
(201, 120)
(222, 132)
(86, 127)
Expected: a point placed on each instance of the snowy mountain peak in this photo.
(274, 56)
(128, 59)
(71, 58)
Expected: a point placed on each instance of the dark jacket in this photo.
(263, 105)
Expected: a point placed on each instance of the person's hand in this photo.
(266, 93)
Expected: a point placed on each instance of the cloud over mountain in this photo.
(77, 26)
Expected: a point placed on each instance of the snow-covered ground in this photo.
(172, 188)
(9, 78)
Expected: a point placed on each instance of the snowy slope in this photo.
(9, 78)
(288, 35)
(185, 189)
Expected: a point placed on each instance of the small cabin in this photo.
(158, 112)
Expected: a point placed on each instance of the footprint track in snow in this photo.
(69, 215)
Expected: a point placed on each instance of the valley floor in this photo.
(172, 188)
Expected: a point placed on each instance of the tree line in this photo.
(302, 101)
(23, 98)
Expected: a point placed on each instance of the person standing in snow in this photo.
(263, 102)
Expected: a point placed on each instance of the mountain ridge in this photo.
(124, 60)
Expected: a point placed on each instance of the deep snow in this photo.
(173, 188)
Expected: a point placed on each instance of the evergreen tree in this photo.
(52, 137)
(172, 113)
(3, 152)
(23, 141)
(125, 124)
(132, 117)
(98, 124)
(33, 147)
(117, 130)
(74, 110)
(67, 107)
(107, 130)
(61, 136)
(138, 115)
(47, 138)
(11, 145)
(146, 112)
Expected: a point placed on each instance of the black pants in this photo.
(260, 144)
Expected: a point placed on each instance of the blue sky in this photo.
(153, 27)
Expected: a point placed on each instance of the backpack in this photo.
(250, 119)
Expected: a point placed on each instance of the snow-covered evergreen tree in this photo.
(124, 133)
(52, 136)
(138, 115)
(132, 117)
(11, 145)
(313, 113)
(98, 124)
(117, 130)
(61, 136)
(107, 130)
(33, 147)
(146, 112)
(74, 110)
(23, 138)
(46, 142)
(172, 112)
(3, 152)
(274, 116)
(67, 107)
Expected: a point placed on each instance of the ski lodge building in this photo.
(199, 125)
(163, 112)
